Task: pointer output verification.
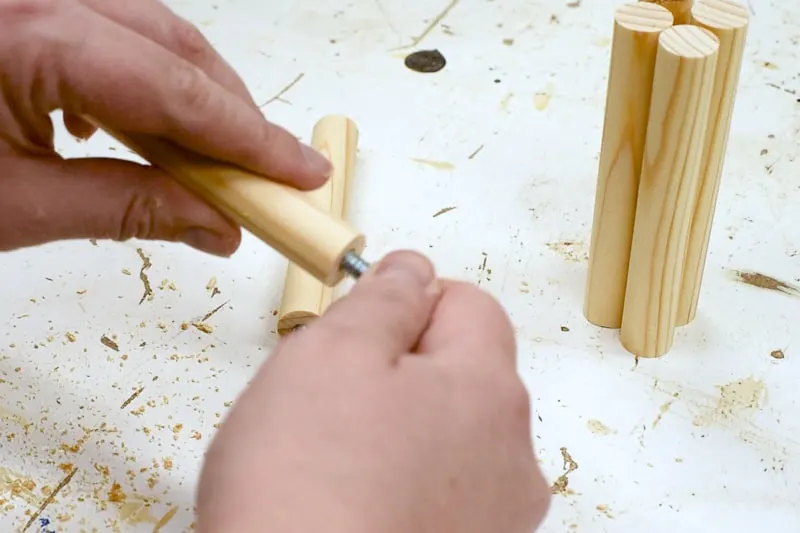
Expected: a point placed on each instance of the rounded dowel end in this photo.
(643, 17)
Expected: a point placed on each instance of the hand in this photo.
(398, 411)
(138, 68)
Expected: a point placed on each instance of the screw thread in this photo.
(354, 265)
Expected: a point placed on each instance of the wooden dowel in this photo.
(630, 82)
(304, 297)
(682, 86)
(680, 9)
(277, 214)
(727, 20)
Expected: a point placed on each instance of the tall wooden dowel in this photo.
(682, 86)
(680, 9)
(304, 297)
(728, 21)
(630, 82)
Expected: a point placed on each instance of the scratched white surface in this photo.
(667, 446)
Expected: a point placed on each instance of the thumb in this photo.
(386, 312)
(51, 199)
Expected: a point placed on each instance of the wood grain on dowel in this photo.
(630, 82)
(277, 214)
(680, 9)
(682, 85)
(728, 21)
(304, 297)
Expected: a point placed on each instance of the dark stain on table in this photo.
(426, 61)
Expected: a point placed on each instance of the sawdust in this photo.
(560, 486)
(16, 485)
(146, 264)
(443, 210)
(572, 251)
(761, 281)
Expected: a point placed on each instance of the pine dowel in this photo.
(304, 297)
(630, 82)
(728, 21)
(277, 214)
(680, 9)
(682, 86)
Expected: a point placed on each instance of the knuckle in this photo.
(189, 42)
(138, 218)
(19, 10)
(189, 86)
(16, 16)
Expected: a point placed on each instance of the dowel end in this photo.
(689, 41)
(720, 15)
(293, 320)
(680, 9)
(643, 17)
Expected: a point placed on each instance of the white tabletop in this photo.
(705, 439)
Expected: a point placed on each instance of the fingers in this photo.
(385, 313)
(154, 20)
(133, 84)
(50, 199)
(468, 320)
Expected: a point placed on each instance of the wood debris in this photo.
(105, 341)
(146, 264)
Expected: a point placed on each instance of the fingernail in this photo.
(409, 267)
(207, 241)
(317, 163)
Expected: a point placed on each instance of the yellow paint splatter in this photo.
(541, 99)
(598, 428)
(738, 398)
(438, 165)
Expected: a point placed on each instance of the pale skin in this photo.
(399, 411)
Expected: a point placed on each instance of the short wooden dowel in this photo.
(630, 82)
(304, 297)
(727, 20)
(682, 86)
(277, 214)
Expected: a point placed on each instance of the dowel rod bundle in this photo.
(678, 120)
(728, 21)
(279, 215)
(637, 27)
(680, 9)
(304, 297)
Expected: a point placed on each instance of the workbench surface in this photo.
(489, 167)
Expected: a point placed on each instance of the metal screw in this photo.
(354, 265)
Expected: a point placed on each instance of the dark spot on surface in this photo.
(426, 61)
(497, 80)
(564, 328)
(443, 211)
(777, 354)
